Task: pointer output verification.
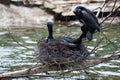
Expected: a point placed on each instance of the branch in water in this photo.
(40, 69)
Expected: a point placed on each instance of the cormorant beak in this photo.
(75, 12)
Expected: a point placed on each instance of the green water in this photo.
(16, 57)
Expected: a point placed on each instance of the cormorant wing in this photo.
(90, 19)
(87, 16)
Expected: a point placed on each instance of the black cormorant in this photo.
(90, 23)
(60, 40)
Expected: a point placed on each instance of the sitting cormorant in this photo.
(90, 23)
(60, 40)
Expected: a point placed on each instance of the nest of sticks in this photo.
(60, 54)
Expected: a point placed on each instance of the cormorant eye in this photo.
(78, 10)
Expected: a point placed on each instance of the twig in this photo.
(112, 11)
(95, 48)
(114, 6)
(100, 8)
(10, 35)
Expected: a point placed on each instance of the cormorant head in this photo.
(78, 10)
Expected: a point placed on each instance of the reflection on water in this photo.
(15, 57)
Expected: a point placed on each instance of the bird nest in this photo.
(60, 54)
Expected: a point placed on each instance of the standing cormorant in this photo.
(90, 23)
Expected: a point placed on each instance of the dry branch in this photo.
(41, 69)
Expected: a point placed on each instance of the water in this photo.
(16, 57)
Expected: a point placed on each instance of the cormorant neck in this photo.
(50, 31)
